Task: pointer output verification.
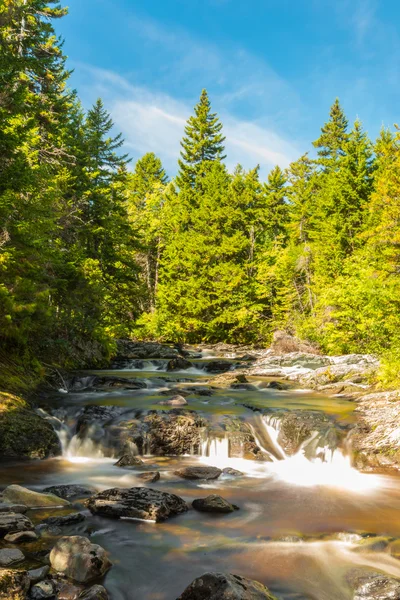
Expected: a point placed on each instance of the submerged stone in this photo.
(13, 584)
(137, 503)
(149, 476)
(129, 460)
(20, 537)
(225, 586)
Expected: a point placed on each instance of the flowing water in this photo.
(300, 517)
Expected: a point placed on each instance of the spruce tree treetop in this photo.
(334, 136)
(203, 142)
(148, 175)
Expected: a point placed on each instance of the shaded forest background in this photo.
(92, 248)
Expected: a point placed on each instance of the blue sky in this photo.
(272, 69)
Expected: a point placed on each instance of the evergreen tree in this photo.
(333, 137)
(202, 144)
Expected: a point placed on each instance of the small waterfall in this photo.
(215, 448)
(325, 466)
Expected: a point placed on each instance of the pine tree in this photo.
(334, 136)
(202, 144)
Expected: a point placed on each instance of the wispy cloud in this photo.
(154, 122)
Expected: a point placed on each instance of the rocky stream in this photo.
(207, 473)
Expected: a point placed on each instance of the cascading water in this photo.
(329, 467)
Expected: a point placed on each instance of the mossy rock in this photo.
(23, 434)
(13, 584)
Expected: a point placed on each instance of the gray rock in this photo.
(129, 460)
(13, 584)
(199, 473)
(214, 504)
(65, 520)
(370, 585)
(15, 508)
(218, 366)
(66, 590)
(232, 472)
(96, 592)
(137, 503)
(179, 364)
(13, 522)
(221, 586)
(19, 494)
(10, 556)
(68, 491)
(133, 350)
(78, 559)
(20, 537)
(42, 590)
(175, 401)
(36, 575)
(149, 476)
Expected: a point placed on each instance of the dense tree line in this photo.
(91, 249)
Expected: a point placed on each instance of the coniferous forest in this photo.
(93, 247)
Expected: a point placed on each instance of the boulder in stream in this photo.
(214, 504)
(13, 584)
(179, 364)
(227, 379)
(175, 401)
(23, 433)
(225, 586)
(199, 472)
(373, 585)
(137, 503)
(68, 491)
(10, 556)
(149, 476)
(21, 537)
(38, 574)
(232, 472)
(78, 559)
(14, 522)
(19, 494)
(129, 460)
(96, 592)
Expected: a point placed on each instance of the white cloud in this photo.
(154, 122)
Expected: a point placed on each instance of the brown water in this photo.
(292, 529)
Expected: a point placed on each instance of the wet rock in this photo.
(66, 590)
(276, 385)
(242, 443)
(20, 537)
(10, 556)
(19, 494)
(214, 504)
(126, 383)
(373, 544)
(96, 592)
(39, 574)
(78, 559)
(129, 460)
(225, 586)
(143, 350)
(65, 520)
(176, 391)
(175, 401)
(68, 491)
(178, 364)
(232, 472)
(199, 473)
(14, 522)
(13, 584)
(296, 427)
(23, 433)
(227, 379)
(202, 391)
(218, 366)
(175, 432)
(137, 503)
(42, 590)
(149, 476)
(370, 585)
(15, 508)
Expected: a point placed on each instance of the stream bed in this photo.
(303, 516)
